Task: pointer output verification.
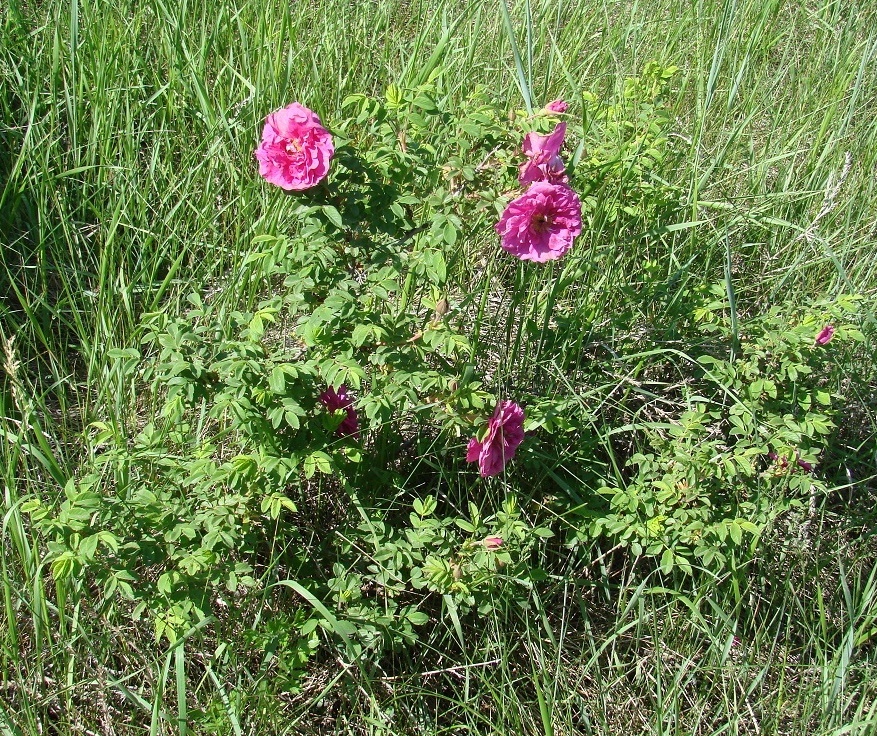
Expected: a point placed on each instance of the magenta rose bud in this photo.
(542, 223)
(825, 335)
(505, 431)
(337, 400)
(559, 106)
(492, 543)
(543, 159)
(803, 464)
(295, 150)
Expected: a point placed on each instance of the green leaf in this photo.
(333, 215)
(256, 327)
(667, 561)
(62, 566)
(360, 334)
(122, 354)
(277, 381)
(736, 532)
(29, 507)
(164, 584)
(352, 100)
(393, 96)
(450, 234)
(317, 461)
(88, 546)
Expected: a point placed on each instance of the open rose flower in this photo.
(543, 159)
(542, 223)
(505, 431)
(825, 335)
(333, 401)
(295, 150)
(557, 106)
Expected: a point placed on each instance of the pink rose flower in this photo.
(492, 543)
(825, 335)
(336, 400)
(295, 150)
(558, 106)
(804, 465)
(542, 223)
(543, 162)
(505, 431)
(781, 462)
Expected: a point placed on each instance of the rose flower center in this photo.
(540, 222)
(293, 146)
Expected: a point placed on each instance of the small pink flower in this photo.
(558, 106)
(295, 150)
(825, 335)
(492, 543)
(803, 464)
(781, 462)
(542, 223)
(543, 159)
(505, 431)
(337, 400)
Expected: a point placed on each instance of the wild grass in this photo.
(127, 181)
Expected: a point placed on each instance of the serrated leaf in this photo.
(360, 334)
(333, 215)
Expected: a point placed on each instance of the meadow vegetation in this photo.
(234, 421)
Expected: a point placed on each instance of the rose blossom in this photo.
(803, 464)
(542, 223)
(492, 543)
(505, 431)
(295, 150)
(543, 162)
(825, 335)
(335, 400)
(558, 106)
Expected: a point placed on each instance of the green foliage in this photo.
(626, 145)
(127, 182)
(181, 516)
(747, 445)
